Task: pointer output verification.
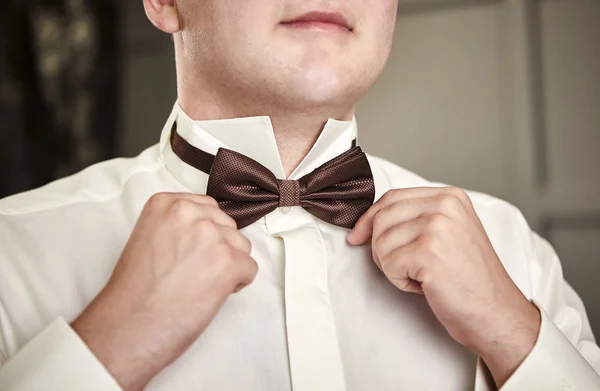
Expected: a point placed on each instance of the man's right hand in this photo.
(183, 259)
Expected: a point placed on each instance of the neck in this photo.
(296, 131)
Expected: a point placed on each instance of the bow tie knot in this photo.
(289, 192)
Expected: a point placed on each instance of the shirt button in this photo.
(286, 210)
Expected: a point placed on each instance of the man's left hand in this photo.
(430, 241)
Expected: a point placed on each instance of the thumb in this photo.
(363, 229)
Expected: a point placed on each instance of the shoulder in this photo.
(392, 176)
(60, 242)
(389, 176)
(497, 215)
(99, 182)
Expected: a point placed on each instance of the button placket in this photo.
(313, 347)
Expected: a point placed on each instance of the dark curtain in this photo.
(58, 89)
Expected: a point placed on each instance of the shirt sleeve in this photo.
(565, 356)
(56, 359)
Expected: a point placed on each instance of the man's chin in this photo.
(309, 89)
(305, 101)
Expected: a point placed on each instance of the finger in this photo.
(208, 211)
(420, 192)
(170, 197)
(411, 209)
(403, 204)
(199, 198)
(189, 207)
(363, 228)
(405, 266)
(236, 239)
(245, 271)
(397, 236)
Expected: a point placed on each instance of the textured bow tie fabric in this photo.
(338, 192)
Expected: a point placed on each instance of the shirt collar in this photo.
(252, 137)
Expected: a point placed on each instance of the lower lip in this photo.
(314, 25)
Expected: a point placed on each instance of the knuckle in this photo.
(458, 193)
(379, 215)
(230, 219)
(388, 260)
(378, 242)
(247, 244)
(157, 199)
(246, 271)
(224, 258)
(385, 259)
(390, 194)
(208, 200)
(381, 240)
(448, 203)
(253, 269)
(206, 228)
(386, 195)
(179, 208)
(438, 223)
(243, 242)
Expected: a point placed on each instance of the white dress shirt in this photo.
(319, 315)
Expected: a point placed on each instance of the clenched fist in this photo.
(183, 259)
(430, 241)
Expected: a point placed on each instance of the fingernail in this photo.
(351, 236)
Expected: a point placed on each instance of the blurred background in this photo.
(499, 96)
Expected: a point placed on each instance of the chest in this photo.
(320, 316)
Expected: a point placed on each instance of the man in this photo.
(244, 251)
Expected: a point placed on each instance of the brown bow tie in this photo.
(338, 192)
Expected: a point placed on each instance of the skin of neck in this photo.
(204, 96)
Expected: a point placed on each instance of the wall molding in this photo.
(409, 7)
(578, 221)
(536, 77)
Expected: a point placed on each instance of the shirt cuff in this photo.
(56, 359)
(553, 364)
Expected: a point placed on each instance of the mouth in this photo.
(320, 20)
